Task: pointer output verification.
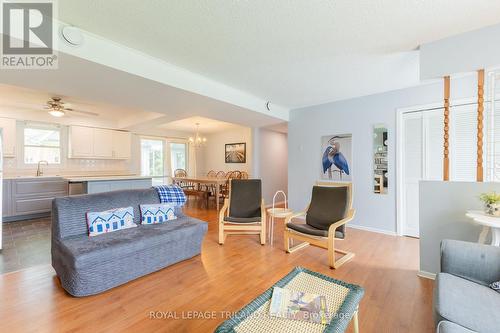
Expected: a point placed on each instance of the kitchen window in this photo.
(42, 144)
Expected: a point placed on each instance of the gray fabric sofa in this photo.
(90, 265)
(463, 301)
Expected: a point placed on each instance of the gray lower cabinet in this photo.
(117, 185)
(28, 197)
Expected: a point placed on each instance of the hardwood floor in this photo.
(223, 279)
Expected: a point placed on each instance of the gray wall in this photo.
(273, 163)
(442, 216)
(357, 116)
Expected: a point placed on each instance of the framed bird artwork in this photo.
(336, 157)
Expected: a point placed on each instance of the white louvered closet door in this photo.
(463, 143)
(412, 171)
(433, 144)
(422, 160)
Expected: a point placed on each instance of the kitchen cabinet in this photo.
(9, 136)
(103, 143)
(122, 145)
(28, 197)
(81, 142)
(98, 143)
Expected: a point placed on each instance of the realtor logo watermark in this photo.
(28, 35)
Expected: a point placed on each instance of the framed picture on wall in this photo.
(236, 152)
(337, 157)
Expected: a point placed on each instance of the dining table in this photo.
(217, 182)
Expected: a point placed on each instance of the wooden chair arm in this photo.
(223, 210)
(295, 215)
(334, 226)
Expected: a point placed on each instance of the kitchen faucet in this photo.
(39, 171)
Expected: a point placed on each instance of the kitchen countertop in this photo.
(79, 179)
(103, 178)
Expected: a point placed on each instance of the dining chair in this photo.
(325, 221)
(181, 173)
(244, 211)
(210, 188)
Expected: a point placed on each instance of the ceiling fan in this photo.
(56, 108)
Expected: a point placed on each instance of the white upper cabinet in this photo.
(103, 143)
(8, 127)
(81, 142)
(122, 143)
(88, 142)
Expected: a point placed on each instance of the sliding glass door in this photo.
(178, 156)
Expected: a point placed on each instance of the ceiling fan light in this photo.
(57, 113)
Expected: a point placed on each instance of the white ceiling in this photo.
(139, 104)
(207, 125)
(19, 99)
(27, 104)
(294, 53)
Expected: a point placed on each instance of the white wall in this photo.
(442, 216)
(273, 163)
(357, 116)
(211, 157)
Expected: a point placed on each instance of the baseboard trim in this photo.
(426, 275)
(9, 219)
(380, 231)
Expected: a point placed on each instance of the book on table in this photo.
(298, 305)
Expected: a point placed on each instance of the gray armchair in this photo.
(463, 301)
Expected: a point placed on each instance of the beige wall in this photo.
(211, 157)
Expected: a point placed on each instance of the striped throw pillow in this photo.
(157, 213)
(110, 220)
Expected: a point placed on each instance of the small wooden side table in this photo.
(488, 222)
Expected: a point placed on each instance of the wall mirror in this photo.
(380, 167)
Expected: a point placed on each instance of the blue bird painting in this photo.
(334, 157)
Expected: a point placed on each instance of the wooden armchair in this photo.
(329, 211)
(244, 211)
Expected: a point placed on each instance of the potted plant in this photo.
(491, 203)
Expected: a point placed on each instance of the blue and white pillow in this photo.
(171, 194)
(495, 286)
(110, 220)
(157, 213)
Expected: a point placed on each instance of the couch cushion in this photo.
(111, 220)
(81, 251)
(466, 303)
(449, 327)
(69, 213)
(157, 213)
